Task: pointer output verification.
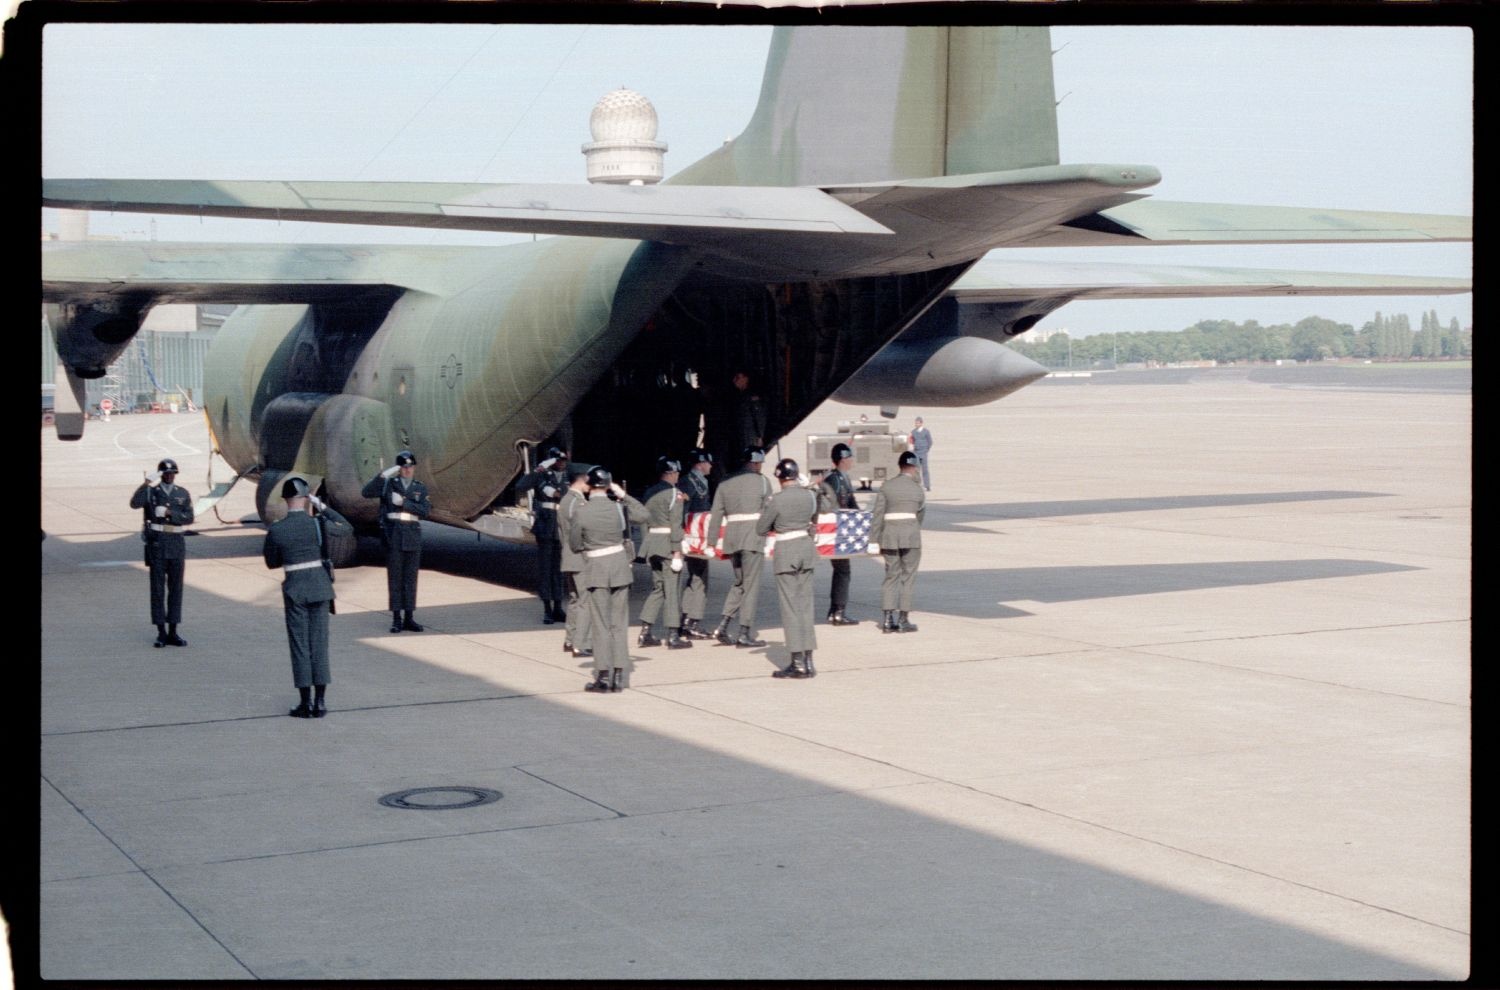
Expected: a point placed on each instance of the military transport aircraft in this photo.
(840, 246)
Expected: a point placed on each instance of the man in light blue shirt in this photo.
(921, 444)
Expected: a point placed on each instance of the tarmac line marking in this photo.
(617, 814)
(146, 873)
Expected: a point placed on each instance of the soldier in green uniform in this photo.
(896, 527)
(548, 481)
(793, 514)
(403, 506)
(167, 509)
(738, 504)
(662, 548)
(580, 625)
(694, 484)
(597, 531)
(296, 544)
(838, 490)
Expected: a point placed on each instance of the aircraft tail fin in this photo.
(854, 104)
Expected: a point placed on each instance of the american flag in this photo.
(845, 533)
(695, 541)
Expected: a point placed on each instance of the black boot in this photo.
(580, 654)
(547, 618)
(319, 708)
(836, 617)
(617, 683)
(906, 625)
(395, 620)
(558, 613)
(645, 638)
(692, 630)
(161, 636)
(677, 639)
(599, 683)
(888, 622)
(722, 633)
(172, 638)
(411, 624)
(793, 669)
(303, 710)
(567, 646)
(807, 664)
(747, 638)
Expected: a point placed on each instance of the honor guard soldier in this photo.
(403, 506)
(579, 622)
(598, 532)
(838, 489)
(694, 484)
(166, 511)
(896, 526)
(793, 514)
(297, 544)
(738, 504)
(549, 481)
(662, 548)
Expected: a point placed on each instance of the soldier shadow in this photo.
(981, 594)
(943, 517)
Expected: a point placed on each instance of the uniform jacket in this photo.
(401, 535)
(567, 510)
(695, 487)
(664, 511)
(921, 441)
(597, 525)
(744, 493)
(549, 487)
(295, 540)
(902, 493)
(179, 512)
(792, 510)
(839, 490)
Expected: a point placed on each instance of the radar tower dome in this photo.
(624, 149)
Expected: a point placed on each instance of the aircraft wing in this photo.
(681, 214)
(1001, 280)
(1163, 222)
(84, 271)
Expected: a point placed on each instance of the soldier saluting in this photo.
(896, 526)
(662, 548)
(838, 490)
(403, 506)
(579, 631)
(296, 544)
(549, 481)
(167, 510)
(738, 503)
(597, 532)
(793, 513)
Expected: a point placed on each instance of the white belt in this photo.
(795, 534)
(604, 552)
(289, 568)
(660, 529)
(164, 528)
(403, 517)
(742, 517)
(901, 515)
(547, 505)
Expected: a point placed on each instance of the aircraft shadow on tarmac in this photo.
(985, 907)
(955, 518)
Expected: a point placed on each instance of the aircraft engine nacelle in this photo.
(940, 371)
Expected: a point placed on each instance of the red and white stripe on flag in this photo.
(695, 542)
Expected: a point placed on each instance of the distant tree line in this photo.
(1311, 339)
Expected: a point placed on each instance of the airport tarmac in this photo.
(1190, 700)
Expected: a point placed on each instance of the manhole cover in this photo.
(440, 798)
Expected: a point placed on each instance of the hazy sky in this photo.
(1350, 118)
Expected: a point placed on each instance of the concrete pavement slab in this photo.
(1189, 701)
